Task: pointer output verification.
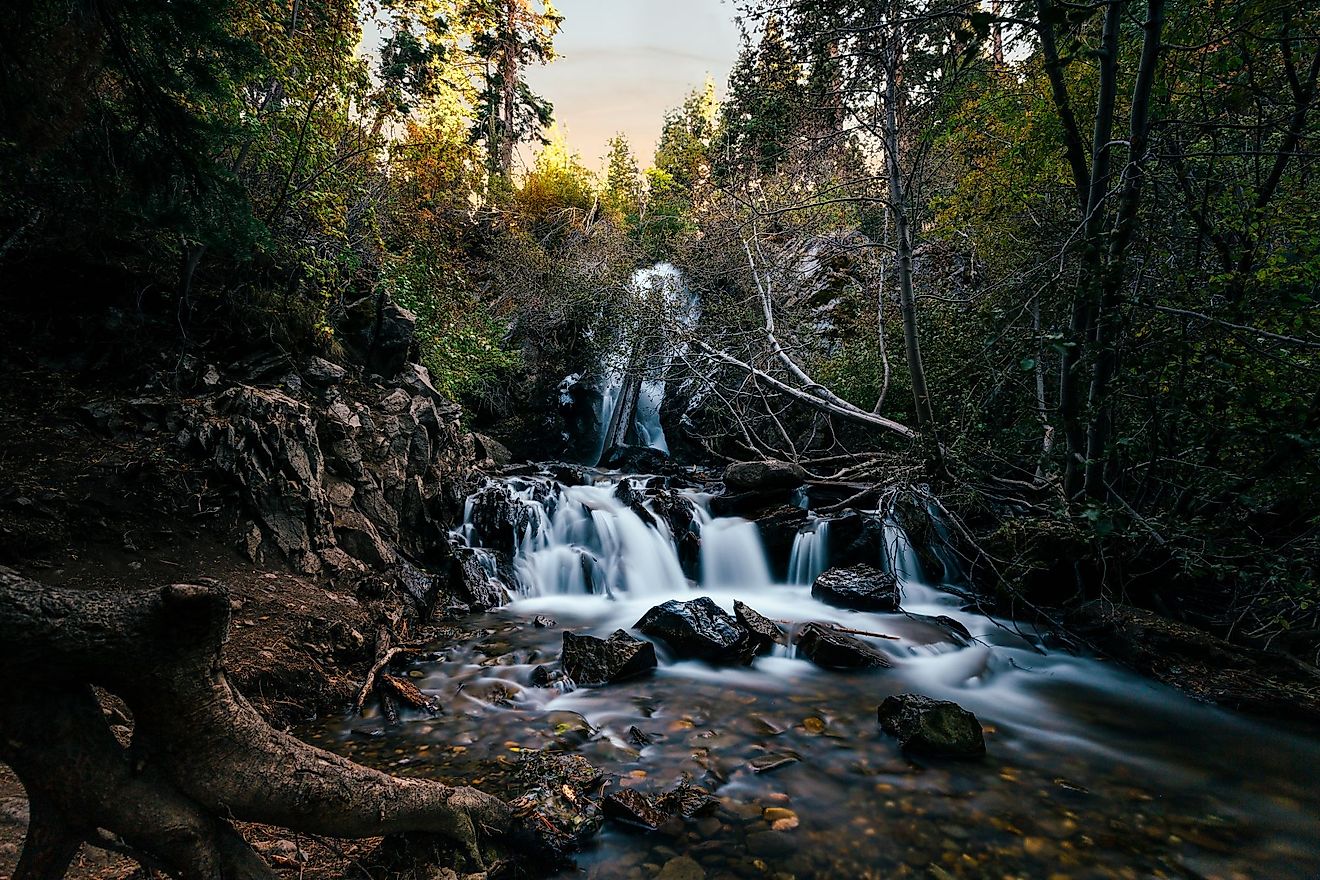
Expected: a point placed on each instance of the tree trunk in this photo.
(1106, 362)
(200, 754)
(904, 246)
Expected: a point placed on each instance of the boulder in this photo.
(592, 662)
(861, 587)
(492, 450)
(763, 633)
(392, 338)
(763, 475)
(321, 373)
(829, 648)
(932, 727)
(473, 583)
(697, 629)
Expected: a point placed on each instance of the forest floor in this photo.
(82, 511)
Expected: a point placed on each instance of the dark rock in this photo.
(636, 459)
(932, 727)
(630, 495)
(592, 662)
(779, 529)
(540, 621)
(763, 633)
(637, 737)
(631, 807)
(688, 800)
(751, 505)
(570, 475)
(491, 450)
(266, 366)
(860, 587)
(546, 677)
(697, 629)
(320, 373)
(392, 338)
(499, 518)
(829, 648)
(472, 583)
(763, 475)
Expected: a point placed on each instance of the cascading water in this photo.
(643, 425)
(1092, 772)
(810, 553)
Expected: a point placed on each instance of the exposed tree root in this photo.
(200, 755)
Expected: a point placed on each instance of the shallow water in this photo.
(1091, 771)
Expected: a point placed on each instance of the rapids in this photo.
(1091, 771)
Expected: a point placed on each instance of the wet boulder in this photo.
(763, 633)
(860, 587)
(760, 476)
(592, 662)
(829, 648)
(938, 728)
(499, 518)
(697, 629)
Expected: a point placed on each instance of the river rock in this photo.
(697, 629)
(592, 662)
(763, 475)
(763, 633)
(932, 727)
(860, 587)
(829, 648)
(631, 807)
(681, 868)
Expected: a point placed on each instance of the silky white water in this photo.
(1087, 761)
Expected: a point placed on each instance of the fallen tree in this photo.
(200, 756)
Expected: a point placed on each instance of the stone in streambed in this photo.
(831, 649)
(859, 587)
(763, 632)
(697, 629)
(937, 728)
(592, 662)
(682, 868)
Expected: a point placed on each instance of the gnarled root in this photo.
(200, 755)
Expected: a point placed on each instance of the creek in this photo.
(1091, 771)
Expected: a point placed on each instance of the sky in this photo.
(625, 62)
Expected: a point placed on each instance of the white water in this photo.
(1075, 745)
(666, 280)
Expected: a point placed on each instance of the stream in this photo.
(1091, 771)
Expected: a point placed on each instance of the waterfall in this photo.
(810, 554)
(732, 555)
(632, 378)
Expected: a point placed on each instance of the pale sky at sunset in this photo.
(624, 62)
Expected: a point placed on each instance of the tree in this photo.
(510, 35)
(621, 195)
(762, 115)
